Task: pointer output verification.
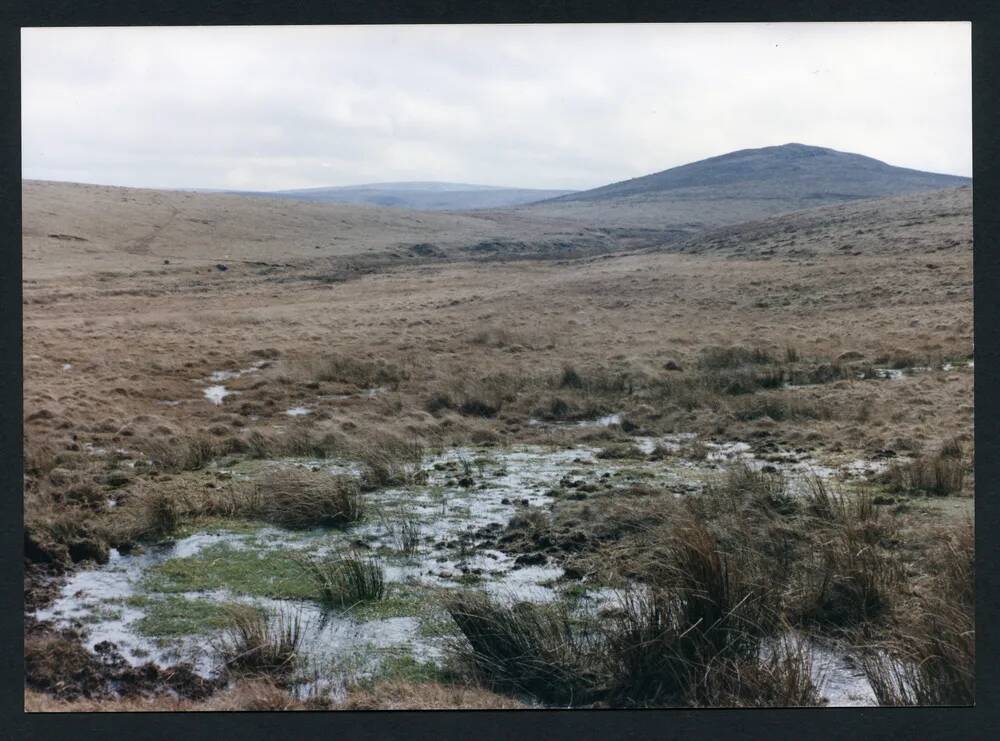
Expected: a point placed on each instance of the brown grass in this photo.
(244, 695)
(397, 695)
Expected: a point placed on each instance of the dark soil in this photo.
(58, 663)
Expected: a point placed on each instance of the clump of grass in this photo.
(571, 378)
(743, 486)
(60, 535)
(404, 532)
(934, 660)
(390, 461)
(781, 676)
(596, 381)
(937, 475)
(779, 407)
(742, 379)
(702, 617)
(345, 581)
(260, 643)
(297, 498)
(834, 507)
(522, 648)
(848, 581)
(355, 371)
(620, 451)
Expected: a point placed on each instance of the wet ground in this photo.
(165, 603)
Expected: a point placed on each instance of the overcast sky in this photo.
(565, 106)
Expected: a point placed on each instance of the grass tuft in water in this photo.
(344, 581)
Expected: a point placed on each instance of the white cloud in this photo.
(543, 106)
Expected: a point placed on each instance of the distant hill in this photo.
(742, 186)
(421, 196)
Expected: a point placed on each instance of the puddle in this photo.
(839, 679)
(111, 601)
(216, 394)
(229, 375)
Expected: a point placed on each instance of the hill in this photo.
(73, 228)
(743, 186)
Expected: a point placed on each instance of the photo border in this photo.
(859, 723)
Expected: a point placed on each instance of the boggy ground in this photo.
(397, 361)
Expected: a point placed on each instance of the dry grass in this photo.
(931, 658)
(358, 372)
(397, 695)
(939, 475)
(781, 677)
(252, 694)
(848, 581)
(297, 498)
(613, 323)
(388, 460)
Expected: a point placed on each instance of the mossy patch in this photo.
(219, 525)
(261, 573)
(407, 668)
(173, 616)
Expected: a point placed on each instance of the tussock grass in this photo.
(387, 460)
(780, 407)
(344, 581)
(60, 535)
(742, 487)
(834, 507)
(780, 677)
(523, 648)
(260, 643)
(940, 475)
(685, 638)
(296, 498)
(298, 441)
(357, 372)
(39, 457)
(933, 659)
(153, 513)
(848, 581)
(181, 454)
(404, 531)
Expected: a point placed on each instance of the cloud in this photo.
(534, 106)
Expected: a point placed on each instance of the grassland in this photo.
(781, 346)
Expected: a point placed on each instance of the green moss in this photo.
(263, 573)
(219, 524)
(407, 668)
(177, 616)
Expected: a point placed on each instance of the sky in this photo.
(544, 106)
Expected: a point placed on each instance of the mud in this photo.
(58, 663)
